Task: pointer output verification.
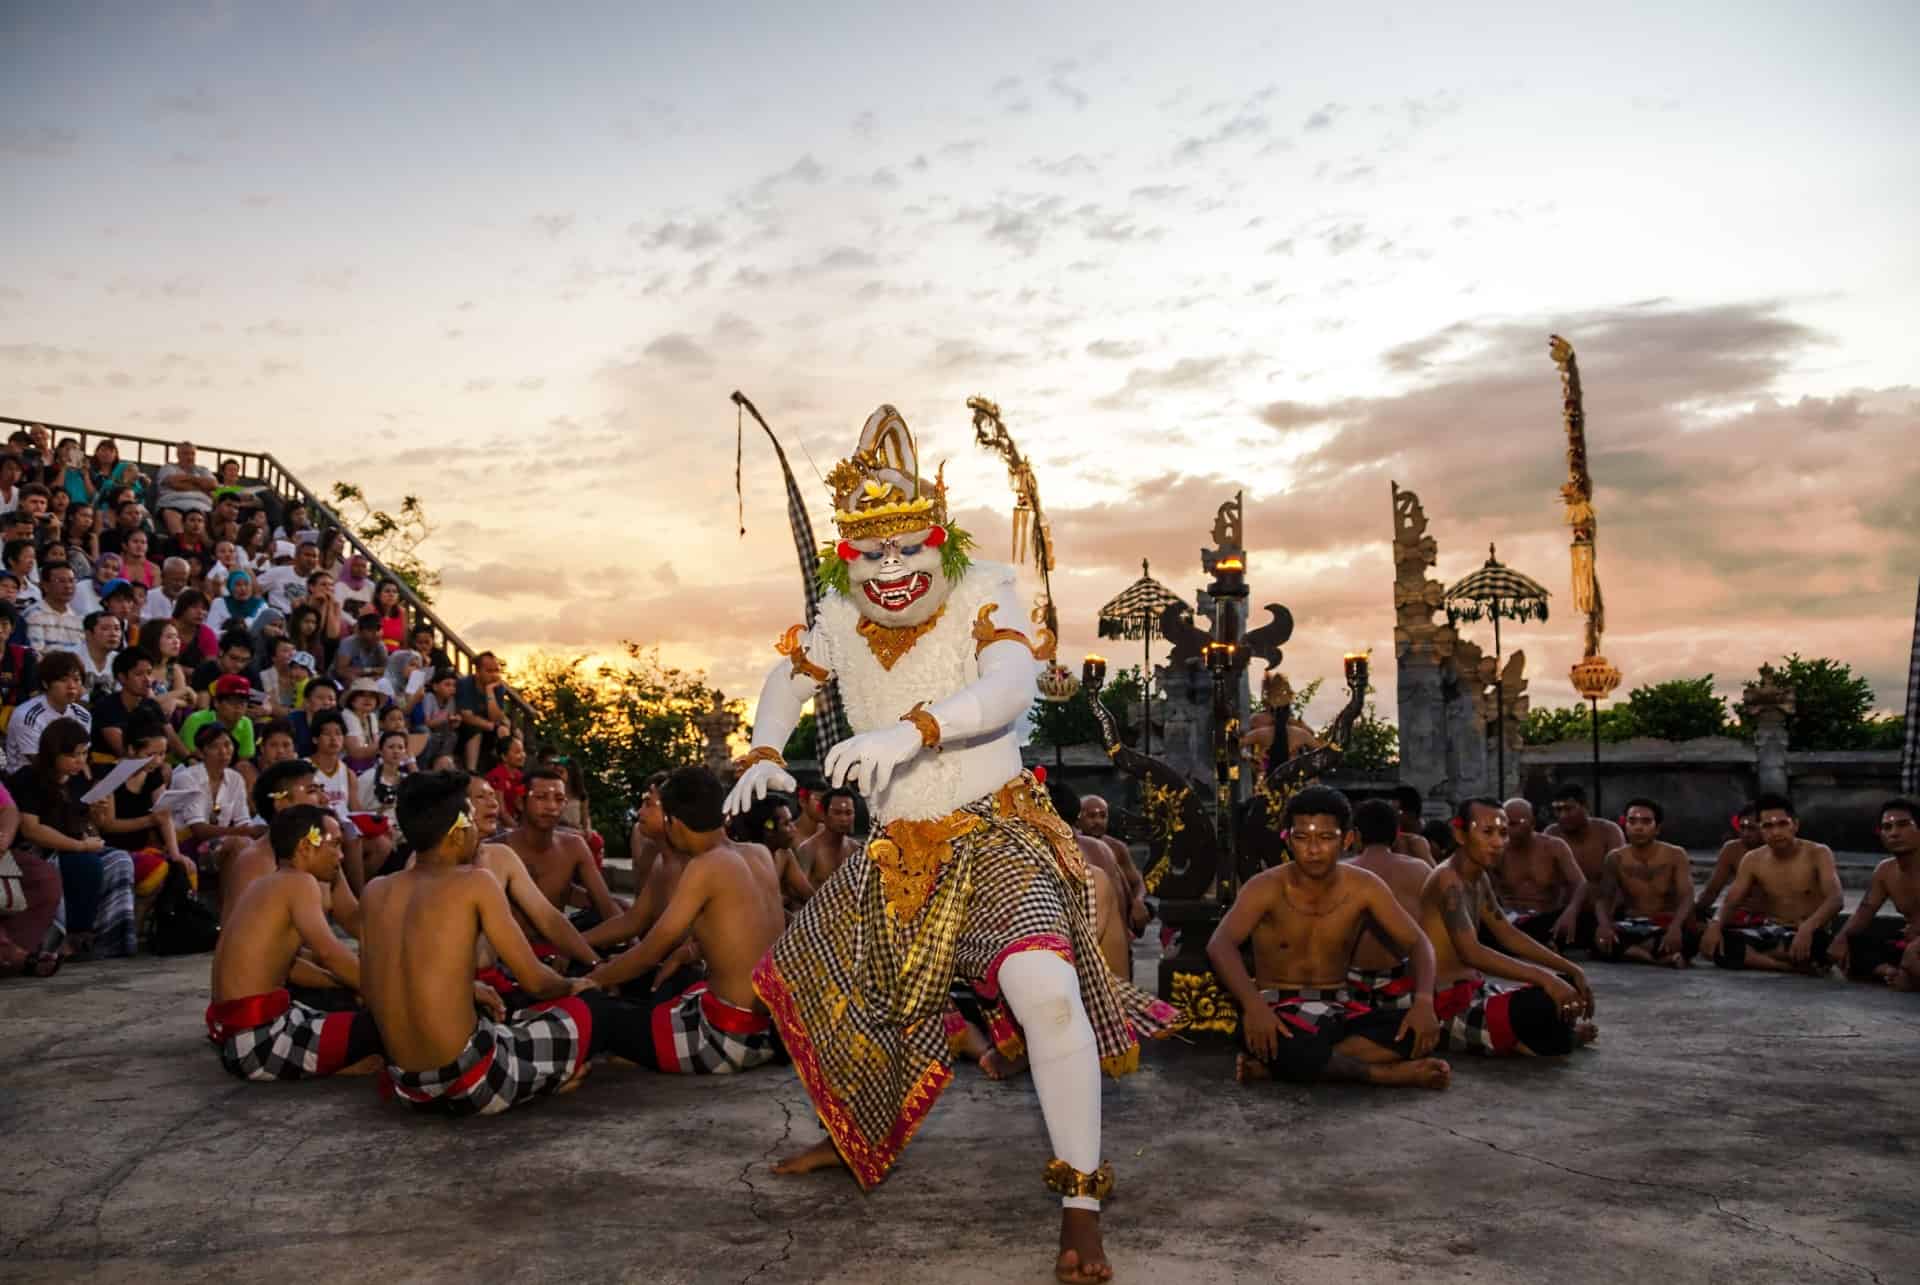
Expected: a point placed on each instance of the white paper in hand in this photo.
(123, 771)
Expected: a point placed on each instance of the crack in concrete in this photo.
(754, 1196)
(1719, 1208)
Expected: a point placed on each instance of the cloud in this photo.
(1019, 221)
(198, 101)
(805, 172)
(36, 140)
(1343, 236)
(676, 234)
(1115, 349)
(965, 354)
(1323, 118)
(1078, 165)
(677, 349)
(1246, 124)
(554, 226)
(1186, 373)
(276, 328)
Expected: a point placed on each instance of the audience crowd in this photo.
(169, 636)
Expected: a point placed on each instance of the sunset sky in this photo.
(513, 258)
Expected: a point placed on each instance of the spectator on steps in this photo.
(108, 473)
(363, 655)
(174, 573)
(239, 607)
(134, 565)
(184, 487)
(54, 625)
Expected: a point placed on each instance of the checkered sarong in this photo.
(274, 1037)
(1473, 1017)
(504, 1063)
(1384, 987)
(859, 995)
(698, 1033)
(1313, 1009)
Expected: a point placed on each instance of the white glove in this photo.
(754, 784)
(870, 758)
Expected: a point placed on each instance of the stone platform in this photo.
(1726, 1127)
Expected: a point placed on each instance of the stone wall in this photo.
(1700, 783)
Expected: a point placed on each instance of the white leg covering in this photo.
(1043, 991)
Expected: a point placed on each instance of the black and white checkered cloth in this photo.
(300, 1043)
(699, 1033)
(1383, 988)
(505, 1063)
(829, 716)
(1910, 753)
(1471, 1020)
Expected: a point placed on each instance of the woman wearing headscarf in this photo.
(237, 606)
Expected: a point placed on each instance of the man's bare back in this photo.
(278, 914)
(1404, 876)
(421, 930)
(729, 902)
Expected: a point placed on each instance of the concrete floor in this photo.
(1726, 1127)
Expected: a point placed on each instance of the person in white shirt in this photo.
(64, 681)
(97, 653)
(286, 583)
(173, 582)
(361, 856)
(353, 584)
(90, 594)
(380, 784)
(218, 809)
(183, 486)
(54, 625)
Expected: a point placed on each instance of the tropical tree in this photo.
(394, 537)
(1832, 706)
(620, 722)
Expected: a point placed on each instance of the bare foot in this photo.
(970, 1043)
(1677, 960)
(1082, 1256)
(1248, 1069)
(821, 1155)
(573, 1082)
(1427, 1073)
(1639, 954)
(998, 1066)
(365, 1066)
(1902, 981)
(1585, 1033)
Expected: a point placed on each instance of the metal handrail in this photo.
(262, 468)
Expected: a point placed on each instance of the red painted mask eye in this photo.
(936, 537)
(847, 552)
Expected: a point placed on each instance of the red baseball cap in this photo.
(231, 685)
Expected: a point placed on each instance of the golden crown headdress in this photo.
(878, 491)
(1275, 690)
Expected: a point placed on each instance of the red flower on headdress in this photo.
(936, 537)
(846, 551)
(1040, 772)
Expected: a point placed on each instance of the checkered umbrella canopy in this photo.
(1135, 611)
(1496, 590)
(1910, 754)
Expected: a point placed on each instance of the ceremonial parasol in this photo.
(1135, 613)
(1502, 593)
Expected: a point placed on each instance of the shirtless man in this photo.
(1539, 882)
(1540, 1018)
(261, 1031)
(731, 907)
(1378, 974)
(422, 927)
(284, 785)
(769, 824)
(811, 819)
(642, 843)
(656, 890)
(1801, 890)
(1870, 946)
(1656, 881)
(1591, 839)
(537, 916)
(1746, 838)
(556, 858)
(1091, 821)
(823, 853)
(1305, 918)
(1410, 842)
